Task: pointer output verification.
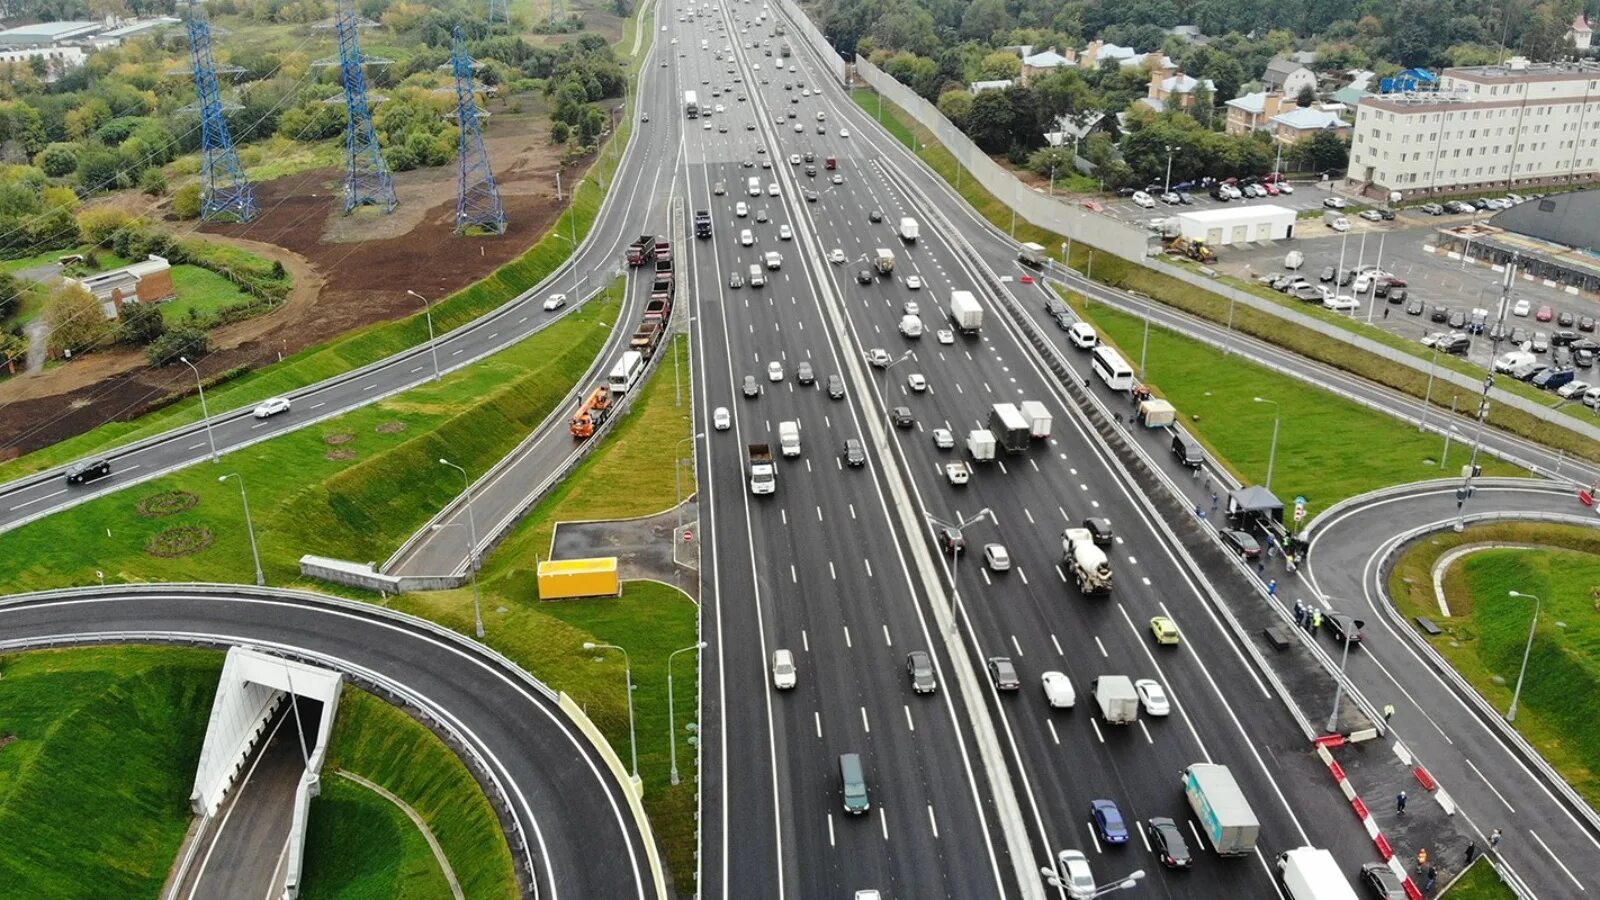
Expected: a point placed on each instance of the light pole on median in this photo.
(472, 551)
(427, 311)
(883, 393)
(677, 478)
(627, 673)
(205, 414)
(249, 526)
(1516, 695)
(1272, 455)
(672, 732)
(1338, 693)
(955, 563)
(1058, 879)
(1170, 151)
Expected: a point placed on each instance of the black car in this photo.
(1519, 335)
(88, 470)
(1386, 214)
(901, 417)
(951, 540)
(1346, 277)
(855, 453)
(1564, 319)
(920, 667)
(1241, 542)
(1100, 529)
(1397, 295)
(811, 171)
(875, 216)
(810, 156)
(864, 276)
(1458, 319)
(1563, 338)
(1328, 274)
(1414, 308)
(835, 387)
(1185, 199)
(1382, 883)
(811, 196)
(1166, 839)
(1343, 626)
(1440, 314)
(752, 388)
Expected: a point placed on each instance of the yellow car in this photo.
(1165, 630)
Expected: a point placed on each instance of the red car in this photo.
(1272, 189)
(1273, 177)
(1545, 313)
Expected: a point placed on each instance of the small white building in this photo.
(58, 60)
(1237, 225)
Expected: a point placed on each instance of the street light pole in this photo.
(205, 413)
(472, 551)
(955, 565)
(1272, 455)
(1338, 692)
(249, 526)
(1168, 188)
(627, 672)
(1516, 695)
(677, 478)
(433, 349)
(672, 729)
(1428, 394)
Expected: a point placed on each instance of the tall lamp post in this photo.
(1277, 418)
(672, 729)
(883, 393)
(472, 551)
(677, 478)
(1170, 151)
(427, 310)
(204, 412)
(1516, 695)
(627, 672)
(955, 563)
(1338, 693)
(1059, 878)
(249, 526)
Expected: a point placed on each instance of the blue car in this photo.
(1108, 821)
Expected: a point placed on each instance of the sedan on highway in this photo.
(751, 387)
(901, 417)
(1075, 875)
(1003, 673)
(554, 302)
(913, 282)
(837, 178)
(785, 233)
(1108, 821)
(996, 557)
(783, 670)
(835, 387)
(944, 439)
(774, 371)
(1058, 690)
(740, 210)
(1241, 542)
(1343, 627)
(272, 407)
(1153, 697)
(844, 132)
(1166, 840)
(804, 374)
(864, 276)
(878, 357)
(855, 453)
(836, 256)
(916, 382)
(721, 420)
(920, 668)
(1165, 630)
(946, 336)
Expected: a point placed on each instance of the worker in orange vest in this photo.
(1422, 860)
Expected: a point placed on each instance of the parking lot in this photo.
(1307, 195)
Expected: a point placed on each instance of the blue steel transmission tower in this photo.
(478, 202)
(226, 195)
(366, 177)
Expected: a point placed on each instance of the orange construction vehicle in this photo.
(592, 414)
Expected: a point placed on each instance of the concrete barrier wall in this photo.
(1129, 242)
(804, 28)
(364, 576)
(239, 714)
(634, 790)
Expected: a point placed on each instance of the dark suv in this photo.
(89, 470)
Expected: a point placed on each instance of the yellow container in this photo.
(561, 579)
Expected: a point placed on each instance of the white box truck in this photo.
(1118, 701)
(1224, 813)
(909, 230)
(965, 312)
(1039, 418)
(911, 326)
(789, 438)
(1309, 873)
(1031, 254)
(980, 444)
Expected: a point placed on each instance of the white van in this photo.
(755, 187)
(911, 326)
(789, 438)
(758, 278)
(774, 260)
(1082, 336)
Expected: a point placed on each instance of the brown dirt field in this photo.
(349, 272)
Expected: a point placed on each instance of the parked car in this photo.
(1432, 209)
(1241, 542)
(1544, 314)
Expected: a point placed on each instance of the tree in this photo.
(58, 160)
(98, 170)
(77, 322)
(1323, 151)
(184, 340)
(983, 18)
(97, 225)
(153, 182)
(955, 105)
(1306, 97)
(141, 323)
(989, 122)
(187, 201)
(559, 132)
(589, 128)
(11, 288)
(999, 65)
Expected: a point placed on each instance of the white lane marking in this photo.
(818, 717)
(1101, 646)
(370, 386)
(883, 819)
(415, 370)
(934, 821)
(1053, 736)
(887, 640)
(318, 405)
(39, 499)
(1057, 644)
(910, 724)
(847, 642)
(869, 567)
(865, 725)
(1557, 859)
(830, 831)
(1023, 575)
(1148, 739)
(1028, 514)
(195, 446)
(1492, 787)
(831, 573)
(793, 575)
(1016, 646)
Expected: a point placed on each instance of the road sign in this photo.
(1299, 513)
(688, 536)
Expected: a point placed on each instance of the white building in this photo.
(57, 60)
(1238, 224)
(1498, 127)
(978, 87)
(48, 34)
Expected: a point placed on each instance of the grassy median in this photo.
(1487, 630)
(1480, 882)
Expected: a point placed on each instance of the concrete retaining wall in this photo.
(364, 576)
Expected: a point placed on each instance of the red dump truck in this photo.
(642, 250)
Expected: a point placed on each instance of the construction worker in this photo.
(1388, 711)
(1422, 860)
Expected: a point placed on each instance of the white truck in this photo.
(1032, 254)
(980, 444)
(884, 260)
(763, 474)
(789, 438)
(1224, 813)
(691, 104)
(965, 312)
(911, 326)
(958, 472)
(1118, 701)
(909, 229)
(1039, 418)
(1085, 562)
(1309, 873)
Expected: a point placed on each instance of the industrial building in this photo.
(1553, 239)
(1237, 225)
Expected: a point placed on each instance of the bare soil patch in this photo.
(337, 438)
(184, 540)
(166, 503)
(339, 455)
(389, 427)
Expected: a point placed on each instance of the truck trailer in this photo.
(1039, 418)
(1031, 254)
(1309, 873)
(884, 260)
(691, 104)
(965, 312)
(1225, 815)
(1085, 562)
(1118, 701)
(980, 444)
(1009, 427)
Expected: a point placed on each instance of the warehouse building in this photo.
(1237, 225)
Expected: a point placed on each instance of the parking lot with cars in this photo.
(1305, 195)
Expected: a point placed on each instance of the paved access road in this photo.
(581, 839)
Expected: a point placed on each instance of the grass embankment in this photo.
(98, 749)
(353, 487)
(1487, 630)
(1480, 882)
(1109, 270)
(201, 291)
(361, 845)
(1329, 448)
(630, 475)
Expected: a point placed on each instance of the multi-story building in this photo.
(1486, 128)
(1253, 112)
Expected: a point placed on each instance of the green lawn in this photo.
(98, 749)
(1328, 448)
(1480, 882)
(201, 292)
(1162, 287)
(1487, 631)
(363, 846)
(353, 487)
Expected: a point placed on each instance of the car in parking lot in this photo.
(1564, 319)
(1166, 841)
(1108, 822)
(996, 557)
(1521, 308)
(1432, 209)
(1328, 274)
(1544, 314)
(1240, 542)
(1003, 673)
(919, 667)
(1058, 690)
(1165, 630)
(1341, 303)
(751, 387)
(855, 453)
(271, 407)
(1152, 697)
(1540, 342)
(1143, 200)
(1586, 323)
(1440, 314)
(1572, 389)
(1335, 202)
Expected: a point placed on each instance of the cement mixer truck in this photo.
(1085, 562)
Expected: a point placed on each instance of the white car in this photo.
(774, 371)
(997, 557)
(879, 357)
(911, 308)
(844, 132)
(706, 127)
(1058, 690)
(943, 438)
(1082, 335)
(916, 382)
(1342, 303)
(1340, 224)
(1143, 200)
(1153, 697)
(1521, 308)
(805, 92)
(783, 671)
(836, 257)
(1075, 875)
(1285, 187)
(794, 159)
(1572, 389)
(913, 282)
(799, 128)
(772, 189)
(746, 238)
(554, 302)
(721, 420)
(1334, 202)
(740, 210)
(946, 336)
(272, 407)
(785, 233)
